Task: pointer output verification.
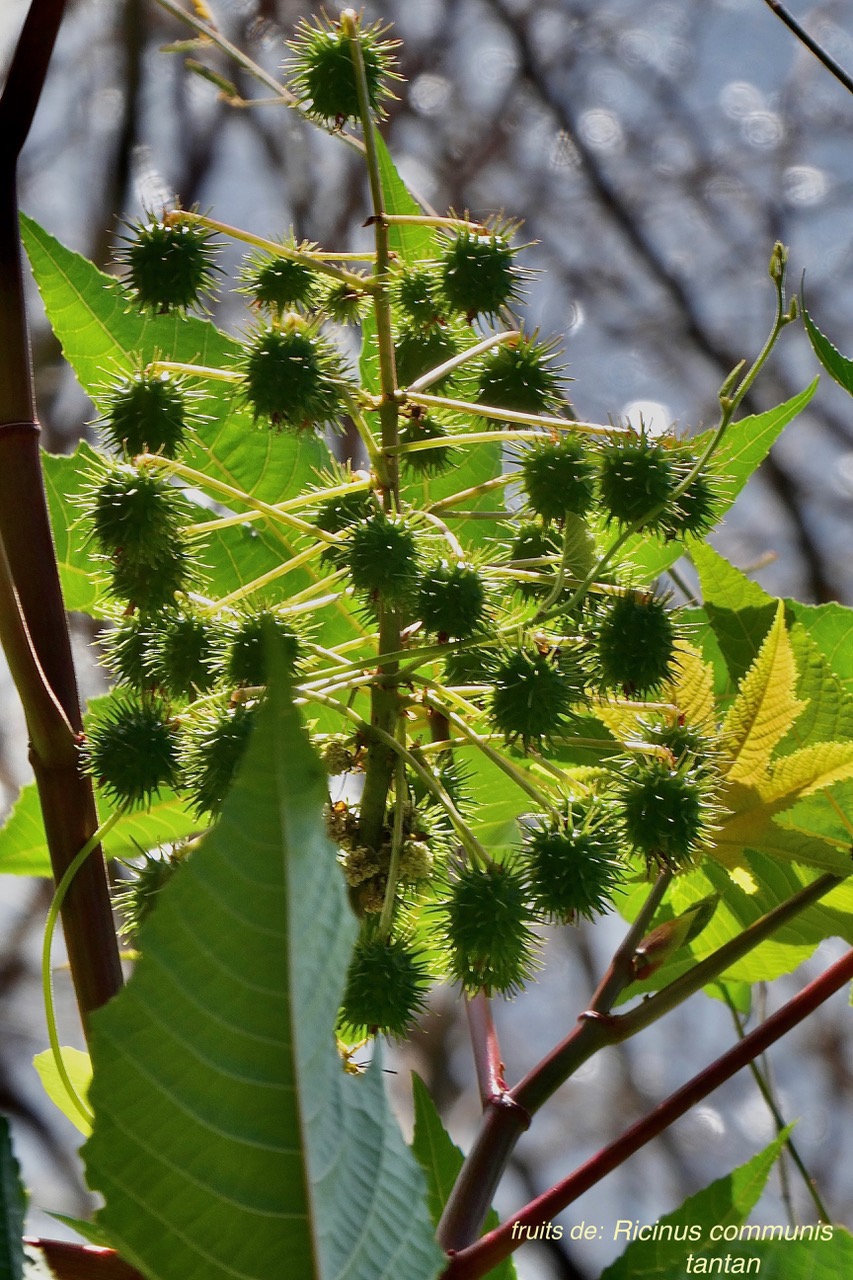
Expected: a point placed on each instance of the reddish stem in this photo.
(487, 1051)
(82, 1261)
(479, 1258)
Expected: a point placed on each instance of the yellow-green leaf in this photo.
(765, 708)
(78, 1065)
(693, 686)
(808, 770)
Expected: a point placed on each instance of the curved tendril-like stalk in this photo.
(46, 979)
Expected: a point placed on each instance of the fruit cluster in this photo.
(457, 643)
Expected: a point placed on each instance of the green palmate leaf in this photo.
(228, 1140)
(79, 1068)
(765, 708)
(836, 365)
(810, 1255)
(23, 849)
(441, 1160)
(740, 613)
(685, 1238)
(12, 1207)
(744, 447)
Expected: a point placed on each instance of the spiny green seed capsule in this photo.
(693, 748)
(136, 514)
(531, 698)
(216, 743)
(137, 899)
(386, 985)
(532, 542)
(637, 475)
(573, 865)
(344, 303)
(470, 666)
(383, 560)
(636, 644)
(127, 650)
(452, 600)
(169, 265)
(559, 479)
(291, 375)
(279, 284)
(152, 587)
(416, 294)
(486, 921)
(322, 74)
(694, 512)
(522, 378)
(665, 813)
(246, 661)
(182, 659)
(132, 750)
(146, 413)
(477, 273)
(425, 461)
(420, 350)
(334, 515)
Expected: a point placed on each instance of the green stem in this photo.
(387, 917)
(511, 415)
(315, 262)
(292, 504)
(766, 1092)
(385, 701)
(46, 979)
(510, 337)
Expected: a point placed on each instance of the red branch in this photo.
(478, 1259)
(82, 1261)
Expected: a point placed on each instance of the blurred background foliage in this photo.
(655, 151)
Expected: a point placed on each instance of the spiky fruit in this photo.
(147, 413)
(383, 559)
(637, 476)
(559, 478)
(477, 273)
(322, 75)
(246, 659)
(636, 643)
(344, 303)
(470, 666)
(292, 375)
(127, 650)
(335, 515)
(425, 461)
(216, 743)
(532, 697)
(532, 542)
(135, 513)
(169, 264)
(182, 659)
(487, 924)
(132, 750)
(386, 985)
(666, 812)
(416, 294)
(420, 350)
(452, 600)
(137, 898)
(694, 512)
(692, 747)
(522, 378)
(152, 587)
(573, 863)
(279, 284)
